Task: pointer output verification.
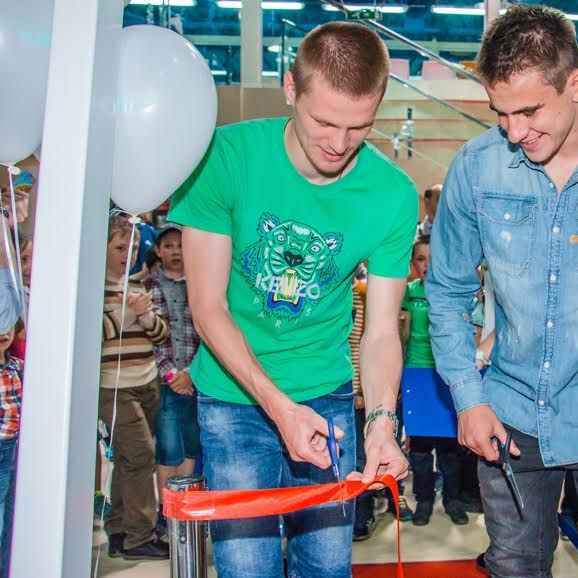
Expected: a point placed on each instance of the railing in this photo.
(372, 23)
(285, 61)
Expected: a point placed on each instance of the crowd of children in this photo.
(147, 397)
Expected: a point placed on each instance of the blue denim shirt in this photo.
(499, 206)
(10, 305)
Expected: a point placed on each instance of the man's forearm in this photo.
(381, 361)
(220, 332)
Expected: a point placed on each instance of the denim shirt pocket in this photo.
(507, 224)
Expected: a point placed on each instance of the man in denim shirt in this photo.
(511, 198)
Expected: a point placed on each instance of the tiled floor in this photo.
(440, 540)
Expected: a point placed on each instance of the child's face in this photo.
(170, 251)
(117, 254)
(420, 260)
(6, 340)
(26, 260)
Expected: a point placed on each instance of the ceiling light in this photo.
(457, 11)
(266, 5)
(171, 3)
(388, 9)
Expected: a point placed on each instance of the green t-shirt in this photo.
(295, 248)
(418, 352)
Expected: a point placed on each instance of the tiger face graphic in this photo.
(291, 265)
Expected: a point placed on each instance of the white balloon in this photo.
(25, 28)
(166, 112)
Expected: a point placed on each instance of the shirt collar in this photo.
(163, 275)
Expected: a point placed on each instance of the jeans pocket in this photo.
(204, 398)
(343, 392)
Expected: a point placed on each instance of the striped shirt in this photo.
(359, 290)
(10, 396)
(137, 361)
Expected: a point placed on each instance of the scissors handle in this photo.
(332, 444)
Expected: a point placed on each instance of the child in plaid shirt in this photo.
(178, 438)
(10, 401)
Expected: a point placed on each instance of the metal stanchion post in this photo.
(187, 540)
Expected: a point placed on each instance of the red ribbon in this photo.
(234, 504)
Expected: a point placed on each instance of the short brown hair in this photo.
(351, 58)
(526, 38)
(421, 240)
(119, 225)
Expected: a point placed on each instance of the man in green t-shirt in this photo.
(277, 217)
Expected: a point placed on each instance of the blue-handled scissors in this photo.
(332, 446)
(507, 469)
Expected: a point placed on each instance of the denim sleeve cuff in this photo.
(468, 394)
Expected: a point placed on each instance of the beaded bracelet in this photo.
(378, 412)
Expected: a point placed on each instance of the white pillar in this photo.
(491, 11)
(53, 521)
(251, 43)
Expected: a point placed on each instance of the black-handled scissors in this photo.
(507, 469)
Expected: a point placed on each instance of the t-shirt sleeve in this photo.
(205, 200)
(391, 257)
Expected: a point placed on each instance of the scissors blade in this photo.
(513, 484)
(332, 443)
(342, 497)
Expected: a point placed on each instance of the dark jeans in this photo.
(522, 544)
(364, 502)
(570, 500)
(449, 460)
(8, 452)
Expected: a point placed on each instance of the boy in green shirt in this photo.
(418, 354)
(276, 218)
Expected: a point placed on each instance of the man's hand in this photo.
(140, 303)
(182, 383)
(305, 435)
(477, 427)
(383, 454)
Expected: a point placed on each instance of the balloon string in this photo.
(17, 247)
(133, 220)
(9, 255)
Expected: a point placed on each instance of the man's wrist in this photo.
(381, 417)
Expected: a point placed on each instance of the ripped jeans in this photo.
(242, 449)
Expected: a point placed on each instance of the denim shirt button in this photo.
(553, 278)
(550, 324)
(555, 230)
(507, 216)
(546, 365)
(541, 402)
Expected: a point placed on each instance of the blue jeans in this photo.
(242, 449)
(177, 430)
(8, 453)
